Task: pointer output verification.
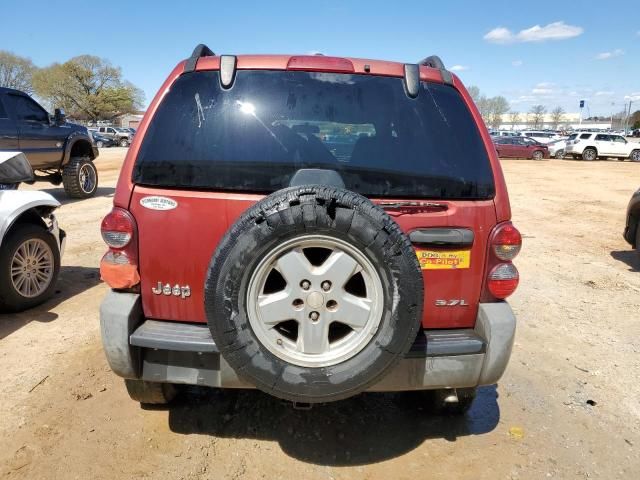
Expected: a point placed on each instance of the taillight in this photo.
(117, 228)
(119, 266)
(502, 279)
(506, 242)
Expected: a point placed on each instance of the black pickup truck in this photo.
(58, 151)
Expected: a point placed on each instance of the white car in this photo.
(557, 148)
(592, 145)
(542, 137)
(31, 243)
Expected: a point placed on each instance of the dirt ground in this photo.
(568, 406)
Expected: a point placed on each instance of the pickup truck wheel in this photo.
(314, 294)
(80, 177)
(150, 393)
(29, 267)
(635, 156)
(124, 142)
(589, 154)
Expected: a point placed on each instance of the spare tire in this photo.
(314, 294)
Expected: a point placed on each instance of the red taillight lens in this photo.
(119, 266)
(117, 228)
(503, 280)
(506, 242)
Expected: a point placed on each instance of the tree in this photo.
(474, 93)
(16, 72)
(537, 112)
(635, 119)
(87, 87)
(498, 106)
(557, 116)
(514, 118)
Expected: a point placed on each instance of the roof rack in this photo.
(435, 61)
(200, 51)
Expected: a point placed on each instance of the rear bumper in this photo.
(160, 351)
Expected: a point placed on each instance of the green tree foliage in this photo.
(16, 72)
(87, 87)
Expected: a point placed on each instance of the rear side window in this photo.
(603, 138)
(270, 124)
(585, 136)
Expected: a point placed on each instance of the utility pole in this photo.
(626, 117)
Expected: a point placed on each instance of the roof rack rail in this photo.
(200, 51)
(435, 61)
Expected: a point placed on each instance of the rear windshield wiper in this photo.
(413, 205)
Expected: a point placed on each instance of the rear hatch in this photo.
(209, 153)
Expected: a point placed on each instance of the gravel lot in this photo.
(568, 406)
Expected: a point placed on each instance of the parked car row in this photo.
(122, 136)
(583, 145)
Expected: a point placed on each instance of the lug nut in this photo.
(326, 285)
(314, 316)
(305, 284)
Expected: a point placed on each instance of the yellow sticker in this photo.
(443, 259)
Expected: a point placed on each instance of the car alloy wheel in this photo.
(99, 144)
(87, 176)
(560, 154)
(327, 312)
(32, 268)
(537, 155)
(635, 156)
(589, 154)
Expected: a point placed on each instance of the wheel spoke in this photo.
(339, 268)
(353, 311)
(294, 267)
(276, 307)
(313, 337)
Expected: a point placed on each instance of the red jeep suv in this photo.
(313, 227)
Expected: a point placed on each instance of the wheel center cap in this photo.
(315, 300)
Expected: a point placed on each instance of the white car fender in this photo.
(13, 203)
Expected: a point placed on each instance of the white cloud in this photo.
(517, 63)
(634, 97)
(459, 68)
(544, 84)
(604, 93)
(542, 91)
(618, 52)
(552, 31)
(499, 35)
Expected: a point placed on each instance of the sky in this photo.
(553, 53)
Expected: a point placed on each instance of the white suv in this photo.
(591, 145)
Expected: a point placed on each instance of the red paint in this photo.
(176, 245)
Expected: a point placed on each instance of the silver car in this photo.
(31, 243)
(557, 148)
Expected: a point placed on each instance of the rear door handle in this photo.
(442, 237)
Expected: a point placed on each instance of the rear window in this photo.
(585, 136)
(256, 135)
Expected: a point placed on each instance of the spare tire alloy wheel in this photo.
(314, 294)
(335, 301)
